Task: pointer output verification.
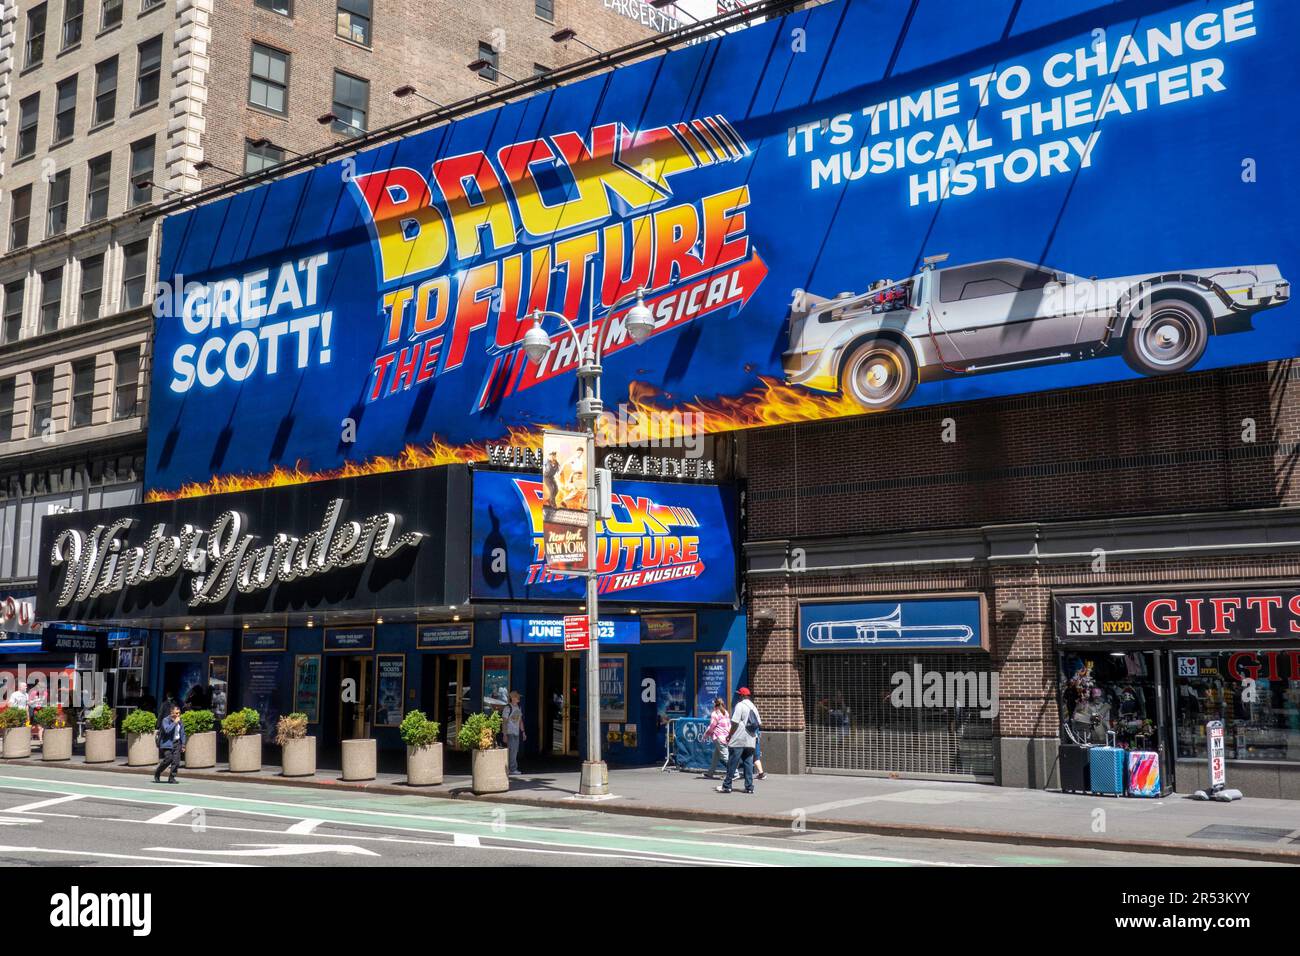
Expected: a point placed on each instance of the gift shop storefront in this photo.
(1149, 669)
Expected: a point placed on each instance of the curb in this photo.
(907, 830)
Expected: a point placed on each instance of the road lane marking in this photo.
(115, 856)
(304, 826)
(271, 849)
(705, 851)
(18, 821)
(466, 839)
(167, 816)
(29, 807)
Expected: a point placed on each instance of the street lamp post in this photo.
(639, 324)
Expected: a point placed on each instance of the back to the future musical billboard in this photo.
(851, 209)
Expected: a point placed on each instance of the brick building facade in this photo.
(1182, 481)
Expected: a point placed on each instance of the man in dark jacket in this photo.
(171, 744)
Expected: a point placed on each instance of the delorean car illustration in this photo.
(888, 627)
(875, 346)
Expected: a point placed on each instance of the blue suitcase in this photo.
(1106, 769)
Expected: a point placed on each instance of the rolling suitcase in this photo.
(1106, 768)
(1074, 768)
(1143, 773)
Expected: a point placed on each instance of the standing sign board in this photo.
(1214, 741)
(577, 632)
(564, 501)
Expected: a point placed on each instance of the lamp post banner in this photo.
(564, 501)
(867, 205)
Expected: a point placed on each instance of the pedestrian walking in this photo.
(717, 733)
(36, 699)
(745, 725)
(19, 697)
(171, 744)
(512, 725)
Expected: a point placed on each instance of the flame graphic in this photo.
(645, 417)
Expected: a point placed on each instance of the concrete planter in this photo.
(490, 771)
(56, 743)
(424, 765)
(201, 750)
(141, 750)
(101, 746)
(360, 759)
(299, 758)
(18, 742)
(246, 753)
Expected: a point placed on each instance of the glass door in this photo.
(559, 713)
(455, 699)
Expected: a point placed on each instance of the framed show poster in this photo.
(219, 684)
(712, 680)
(613, 688)
(668, 628)
(390, 688)
(306, 686)
(496, 682)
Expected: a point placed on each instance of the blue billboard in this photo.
(549, 630)
(666, 543)
(854, 208)
(910, 623)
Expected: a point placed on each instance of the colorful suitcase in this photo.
(1106, 769)
(1143, 773)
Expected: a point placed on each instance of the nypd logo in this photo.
(1117, 618)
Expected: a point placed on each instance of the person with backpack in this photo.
(745, 726)
(512, 728)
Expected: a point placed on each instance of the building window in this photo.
(105, 92)
(92, 287)
(21, 218)
(99, 176)
(111, 14)
(134, 268)
(282, 7)
(487, 52)
(51, 300)
(539, 70)
(354, 21)
(268, 81)
(29, 118)
(141, 171)
(545, 9)
(7, 388)
(126, 384)
(65, 110)
(1252, 691)
(148, 72)
(258, 158)
(72, 17)
(351, 101)
(147, 5)
(35, 36)
(42, 401)
(83, 392)
(12, 326)
(56, 215)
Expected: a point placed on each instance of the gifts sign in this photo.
(566, 464)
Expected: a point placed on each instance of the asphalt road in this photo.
(57, 817)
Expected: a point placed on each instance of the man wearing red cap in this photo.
(745, 725)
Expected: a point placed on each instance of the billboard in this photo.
(666, 543)
(854, 208)
(566, 522)
(908, 622)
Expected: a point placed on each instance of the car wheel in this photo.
(1171, 337)
(880, 374)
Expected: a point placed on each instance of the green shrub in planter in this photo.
(417, 730)
(140, 722)
(99, 717)
(51, 718)
(13, 717)
(291, 727)
(242, 723)
(479, 731)
(198, 722)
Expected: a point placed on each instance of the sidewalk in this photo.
(1249, 829)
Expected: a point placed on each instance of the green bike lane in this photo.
(484, 824)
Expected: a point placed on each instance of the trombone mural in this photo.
(923, 622)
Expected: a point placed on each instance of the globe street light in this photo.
(639, 323)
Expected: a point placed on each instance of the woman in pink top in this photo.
(718, 732)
